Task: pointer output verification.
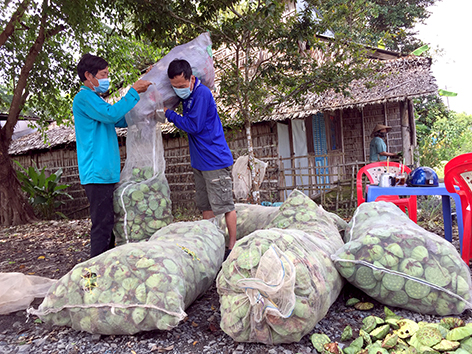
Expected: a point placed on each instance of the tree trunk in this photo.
(14, 208)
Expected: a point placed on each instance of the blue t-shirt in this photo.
(208, 147)
(377, 145)
(98, 153)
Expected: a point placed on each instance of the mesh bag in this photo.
(200, 57)
(138, 286)
(301, 213)
(275, 286)
(17, 290)
(279, 282)
(242, 176)
(398, 263)
(251, 217)
(141, 200)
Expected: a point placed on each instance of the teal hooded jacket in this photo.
(98, 153)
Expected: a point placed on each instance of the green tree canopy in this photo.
(372, 21)
(40, 43)
(442, 133)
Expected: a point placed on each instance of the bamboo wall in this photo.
(358, 123)
(179, 171)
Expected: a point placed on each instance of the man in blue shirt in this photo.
(378, 148)
(210, 155)
(98, 153)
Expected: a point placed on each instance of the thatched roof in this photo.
(399, 79)
(405, 77)
(408, 77)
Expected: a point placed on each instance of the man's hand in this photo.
(165, 109)
(141, 85)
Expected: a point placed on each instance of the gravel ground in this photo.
(199, 333)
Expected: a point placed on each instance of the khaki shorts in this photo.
(214, 190)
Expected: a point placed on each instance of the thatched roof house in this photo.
(311, 146)
(400, 78)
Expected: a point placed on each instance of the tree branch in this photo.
(177, 17)
(20, 93)
(233, 10)
(15, 18)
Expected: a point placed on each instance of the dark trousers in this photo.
(100, 197)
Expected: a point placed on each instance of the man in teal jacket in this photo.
(210, 155)
(98, 153)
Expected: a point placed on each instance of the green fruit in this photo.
(347, 334)
(365, 277)
(395, 249)
(380, 332)
(390, 341)
(443, 307)
(319, 340)
(365, 336)
(393, 282)
(416, 290)
(459, 333)
(399, 298)
(420, 253)
(412, 267)
(369, 323)
(428, 336)
(352, 301)
(437, 275)
(462, 286)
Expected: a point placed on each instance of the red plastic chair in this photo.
(373, 172)
(458, 172)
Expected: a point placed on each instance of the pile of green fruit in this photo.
(301, 213)
(138, 286)
(398, 263)
(250, 217)
(396, 335)
(142, 206)
(279, 299)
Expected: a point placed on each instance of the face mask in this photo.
(103, 85)
(183, 93)
(382, 135)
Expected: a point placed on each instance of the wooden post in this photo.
(411, 118)
(386, 120)
(292, 154)
(405, 124)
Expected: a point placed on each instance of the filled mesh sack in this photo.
(275, 286)
(250, 217)
(398, 263)
(138, 286)
(141, 200)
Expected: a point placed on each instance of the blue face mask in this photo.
(103, 85)
(183, 93)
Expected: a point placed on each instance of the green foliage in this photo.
(72, 28)
(276, 59)
(372, 21)
(442, 134)
(43, 192)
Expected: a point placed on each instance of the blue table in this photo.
(373, 192)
